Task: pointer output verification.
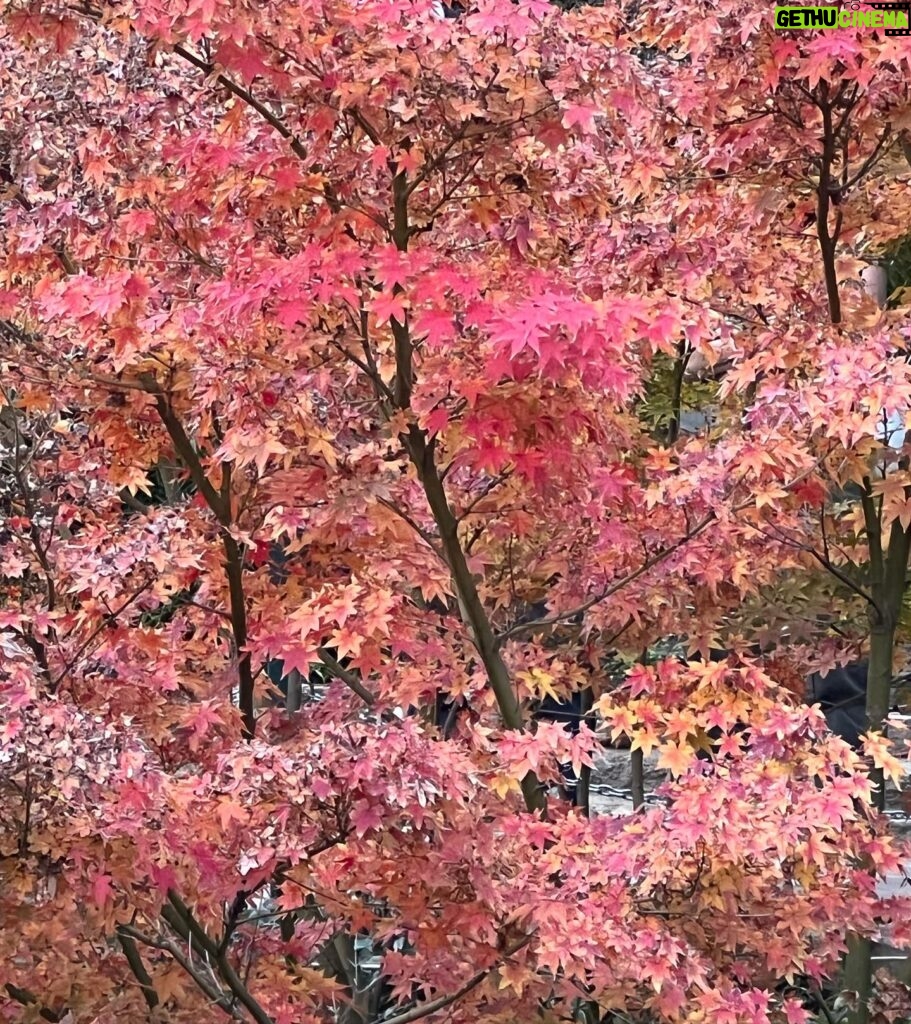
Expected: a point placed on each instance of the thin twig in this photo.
(224, 967)
(425, 1010)
(219, 998)
(552, 620)
(107, 621)
(297, 147)
(427, 537)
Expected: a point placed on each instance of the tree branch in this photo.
(348, 678)
(212, 992)
(428, 538)
(26, 998)
(470, 605)
(134, 959)
(868, 164)
(824, 561)
(491, 485)
(552, 620)
(422, 452)
(435, 1005)
(219, 501)
(827, 239)
(188, 454)
(234, 570)
(873, 528)
(297, 147)
(107, 621)
(401, 232)
(179, 912)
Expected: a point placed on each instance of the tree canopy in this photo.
(406, 303)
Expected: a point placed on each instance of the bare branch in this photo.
(822, 557)
(491, 485)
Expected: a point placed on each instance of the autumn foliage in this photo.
(327, 335)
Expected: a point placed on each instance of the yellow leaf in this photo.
(502, 785)
(645, 740)
(540, 683)
(676, 758)
(512, 976)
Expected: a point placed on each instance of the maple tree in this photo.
(831, 119)
(379, 295)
